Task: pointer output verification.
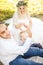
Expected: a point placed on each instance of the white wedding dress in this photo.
(37, 30)
(37, 33)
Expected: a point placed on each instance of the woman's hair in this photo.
(21, 3)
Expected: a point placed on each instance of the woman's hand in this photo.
(28, 29)
(18, 26)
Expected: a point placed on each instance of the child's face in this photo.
(4, 33)
(23, 35)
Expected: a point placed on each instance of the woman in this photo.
(24, 23)
(21, 20)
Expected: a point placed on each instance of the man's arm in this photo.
(9, 48)
(20, 49)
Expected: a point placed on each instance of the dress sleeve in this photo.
(30, 21)
(15, 19)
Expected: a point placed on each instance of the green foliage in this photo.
(35, 7)
(5, 15)
(7, 8)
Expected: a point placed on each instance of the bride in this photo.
(21, 22)
(37, 29)
(21, 17)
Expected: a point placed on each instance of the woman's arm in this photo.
(18, 26)
(30, 21)
(28, 30)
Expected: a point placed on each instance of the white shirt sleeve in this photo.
(20, 49)
(7, 47)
